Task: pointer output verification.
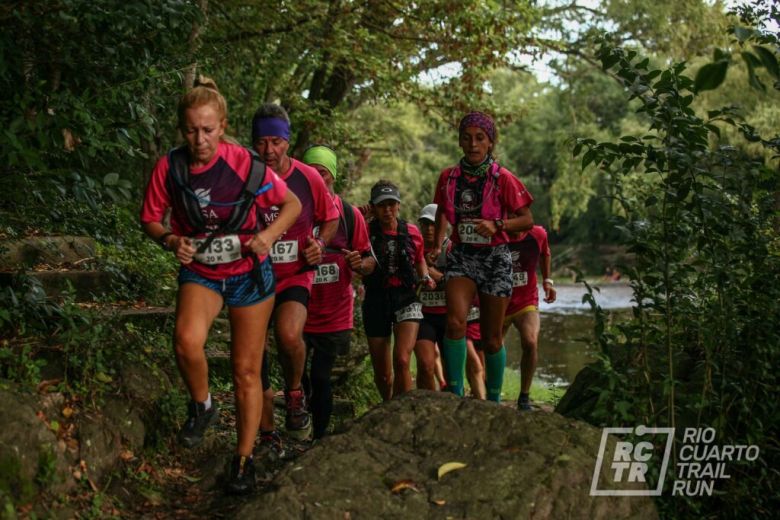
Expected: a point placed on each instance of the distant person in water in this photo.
(482, 201)
(529, 250)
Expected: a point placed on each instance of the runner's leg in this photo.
(381, 360)
(425, 352)
(196, 308)
(460, 293)
(491, 318)
(528, 325)
(475, 371)
(248, 326)
(405, 335)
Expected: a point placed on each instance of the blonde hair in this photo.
(204, 92)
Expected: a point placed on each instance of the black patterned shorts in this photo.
(489, 267)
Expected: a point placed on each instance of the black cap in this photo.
(381, 193)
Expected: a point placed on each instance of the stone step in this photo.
(28, 252)
(86, 284)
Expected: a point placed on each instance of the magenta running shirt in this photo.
(526, 251)
(512, 196)
(222, 180)
(317, 206)
(332, 300)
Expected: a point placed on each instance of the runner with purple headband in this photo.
(482, 201)
(295, 257)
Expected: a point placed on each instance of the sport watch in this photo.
(499, 222)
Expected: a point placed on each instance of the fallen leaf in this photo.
(191, 479)
(439, 502)
(77, 474)
(126, 455)
(67, 412)
(449, 466)
(563, 458)
(403, 484)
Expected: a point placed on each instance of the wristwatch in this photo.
(548, 280)
(499, 222)
(163, 240)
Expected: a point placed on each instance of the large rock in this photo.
(31, 458)
(517, 466)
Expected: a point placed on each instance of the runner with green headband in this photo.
(328, 329)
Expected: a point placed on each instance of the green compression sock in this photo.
(494, 367)
(453, 355)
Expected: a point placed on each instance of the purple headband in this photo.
(270, 127)
(479, 120)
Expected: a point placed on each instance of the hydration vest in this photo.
(490, 197)
(404, 257)
(187, 201)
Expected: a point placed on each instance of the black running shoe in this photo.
(298, 420)
(241, 476)
(198, 421)
(272, 442)
(524, 403)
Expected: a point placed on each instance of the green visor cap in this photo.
(323, 156)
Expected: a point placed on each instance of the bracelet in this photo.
(162, 241)
(548, 280)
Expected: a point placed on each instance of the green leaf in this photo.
(111, 179)
(710, 76)
(103, 377)
(768, 59)
(588, 158)
(742, 33)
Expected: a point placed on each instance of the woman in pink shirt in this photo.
(223, 251)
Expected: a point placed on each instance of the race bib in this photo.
(284, 251)
(327, 273)
(413, 311)
(519, 278)
(433, 299)
(221, 250)
(467, 231)
(473, 314)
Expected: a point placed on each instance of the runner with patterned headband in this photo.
(482, 201)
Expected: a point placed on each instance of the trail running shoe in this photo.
(198, 421)
(272, 442)
(241, 476)
(298, 420)
(524, 403)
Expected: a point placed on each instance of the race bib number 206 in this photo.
(467, 231)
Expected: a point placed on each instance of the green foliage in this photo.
(701, 347)
(360, 389)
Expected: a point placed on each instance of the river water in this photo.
(567, 331)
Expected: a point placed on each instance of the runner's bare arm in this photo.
(438, 234)
(549, 290)
(181, 246)
(289, 210)
(521, 220)
(328, 230)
